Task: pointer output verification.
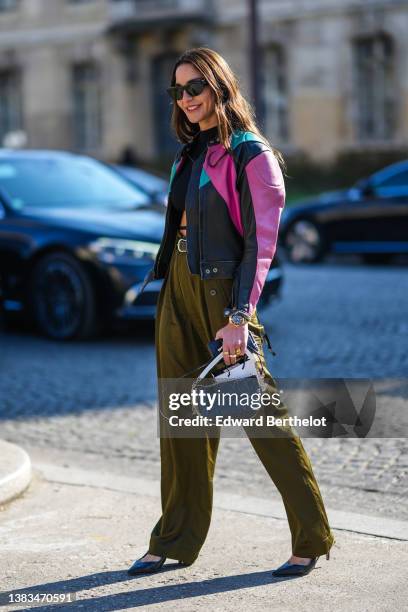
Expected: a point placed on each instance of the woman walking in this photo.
(226, 196)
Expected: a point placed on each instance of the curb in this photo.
(15, 471)
(345, 521)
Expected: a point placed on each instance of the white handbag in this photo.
(230, 390)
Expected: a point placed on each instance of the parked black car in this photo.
(369, 219)
(76, 241)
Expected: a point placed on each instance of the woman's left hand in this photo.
(233, 338)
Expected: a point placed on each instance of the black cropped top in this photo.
(182, 179)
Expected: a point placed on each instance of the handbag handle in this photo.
(216, 360)
(209, 367)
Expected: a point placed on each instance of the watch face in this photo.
(237, 319)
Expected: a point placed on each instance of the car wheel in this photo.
(304, 242)
(63, 298)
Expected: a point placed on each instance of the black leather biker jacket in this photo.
(233, 206)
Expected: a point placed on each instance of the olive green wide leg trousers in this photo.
(189, 313)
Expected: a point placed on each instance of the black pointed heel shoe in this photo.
(296, 569)
(144, 567)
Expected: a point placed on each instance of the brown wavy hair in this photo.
(233, 111)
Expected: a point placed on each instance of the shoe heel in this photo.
(328, 555)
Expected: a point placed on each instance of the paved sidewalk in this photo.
(76, 531)
(15, 471)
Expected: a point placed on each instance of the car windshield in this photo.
(57, 182)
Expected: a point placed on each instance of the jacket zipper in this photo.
(200, 231)
(200, 218)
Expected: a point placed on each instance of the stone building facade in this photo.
(89, 75)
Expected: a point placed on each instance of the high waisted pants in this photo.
(189, 313)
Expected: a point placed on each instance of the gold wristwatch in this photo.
(238, 319)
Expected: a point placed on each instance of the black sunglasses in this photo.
(193, 88)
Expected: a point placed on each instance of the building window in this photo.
(8, 5)
(374, 87)
(87, 107)
(275, 94)
(10, 102)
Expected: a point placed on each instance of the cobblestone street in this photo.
(93, 403)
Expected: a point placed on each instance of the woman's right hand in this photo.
(234, 341)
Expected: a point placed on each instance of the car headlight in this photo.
(118, 250)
